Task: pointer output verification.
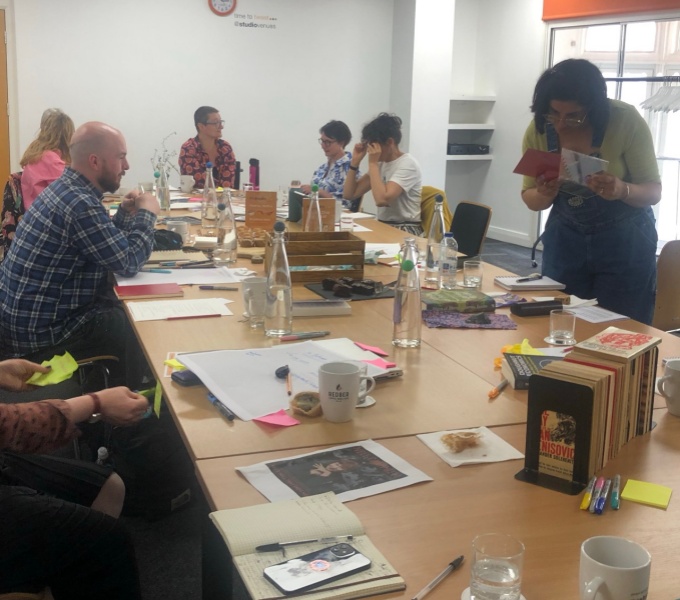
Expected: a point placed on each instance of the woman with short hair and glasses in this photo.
(208, 146)
(600, 238)
(330, 176)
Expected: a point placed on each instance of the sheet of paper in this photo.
(245, 382)
(356, 228)
(596, 314)
(362, 215)
(182, 277)
(62, 367)
(489, 448)
(351, 471)
(577, 167)
(389, 250)
(158, 310)
(180, 205)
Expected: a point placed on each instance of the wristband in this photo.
(354, 168)
(97, 409)
(627, 192)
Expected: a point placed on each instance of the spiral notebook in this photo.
(544, 283)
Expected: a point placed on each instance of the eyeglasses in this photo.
(566, 121)
(218, 123)
(326, 142)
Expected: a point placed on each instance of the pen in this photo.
(616, 488)
(602, 500)
(588, 495)
(226, 288)
(325, 540)
(156, 271)
(453, 565)
(192, 317)
(304, 335)
(596, 493)
(195, 264)
(532, 277)
(226, 413)
(494, 392)
(289, 383)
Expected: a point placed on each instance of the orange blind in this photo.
(570, 9)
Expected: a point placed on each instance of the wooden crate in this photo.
(322, 249)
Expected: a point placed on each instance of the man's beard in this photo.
(109, 183)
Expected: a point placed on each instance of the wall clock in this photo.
(222, 7)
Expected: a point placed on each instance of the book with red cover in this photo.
(536, 162)
(150, 290)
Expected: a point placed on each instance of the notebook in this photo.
(510, 282)
(158, 256)
(150, 290)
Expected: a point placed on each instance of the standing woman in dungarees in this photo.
(600, 239)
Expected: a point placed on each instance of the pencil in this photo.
(289, 384)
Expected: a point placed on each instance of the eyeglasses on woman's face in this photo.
(218, 123)
(326, 141)
(567, 120)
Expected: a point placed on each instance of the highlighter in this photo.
(602, 500)
(596, 493)
(616, 489)
(585, 502)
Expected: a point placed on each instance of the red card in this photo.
(535, 163)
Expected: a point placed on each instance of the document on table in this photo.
(596, 314)
(159, 310)
(245, 380)
(181, 277)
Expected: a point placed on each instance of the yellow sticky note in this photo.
(157, 399)
(62, 368)
(174, 363)
(651, 494)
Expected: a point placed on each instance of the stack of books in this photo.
(459, 300)
(582, 410)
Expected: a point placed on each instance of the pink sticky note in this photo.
(194, 199)
(383, 364)
(280, 418)
(374, 349)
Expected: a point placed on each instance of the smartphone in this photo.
(185, 378)
(316, 568)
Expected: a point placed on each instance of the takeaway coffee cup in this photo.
(669, 386)
(339, 387)
(180, 227)
(613, 568)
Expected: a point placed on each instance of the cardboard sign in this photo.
(260, 210)
(327, 207)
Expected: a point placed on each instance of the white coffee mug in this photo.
(614, 568)
(339, 385)
(669, 386)
(186, 183)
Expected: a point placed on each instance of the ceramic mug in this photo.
(186, 183)
(613, 568)
(339, 387)
(669, 386)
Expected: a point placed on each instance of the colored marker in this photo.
(494, 392)
(599, 484)
(304, 335)
(602, 500)
(616, 490)
(226, 288)
(157, 271)
(587, 496)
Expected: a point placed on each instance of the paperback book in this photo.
(459, 300)
(518, 368)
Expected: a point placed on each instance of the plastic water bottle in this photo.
(163, 192)
(102, 456)
(407, 317)
(278, 316)
(313, 220)
(227, 246)
(434, 241)
(209, 204)
(448, 262)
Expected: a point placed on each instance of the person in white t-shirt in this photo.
(393, 176)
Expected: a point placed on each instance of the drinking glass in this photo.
(562, 325)
(472, 273)
(496, 571)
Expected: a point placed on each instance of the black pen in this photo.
(533, 277)
(218, 287)
(196, 263)
(453, 565)
(324, 540)
(226, 413)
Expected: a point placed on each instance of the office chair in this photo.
(12, 209)
(469, 226)
(667, 309)
(427, 198)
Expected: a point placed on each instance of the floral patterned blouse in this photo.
(193, 158)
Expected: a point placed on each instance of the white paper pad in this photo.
(596, 314)
(181, 277)
(367, 468)
(362, 215)
(490, 448)
(389, 250)
(159, 310)
(244, 380)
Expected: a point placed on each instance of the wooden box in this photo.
(323, 254)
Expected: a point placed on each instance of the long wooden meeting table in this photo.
(445, 383)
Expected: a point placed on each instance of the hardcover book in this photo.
(308, 518)
(149, 290)
(459, 300)
(618, 344)
(518, 368)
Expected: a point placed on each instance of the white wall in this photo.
(145, 66)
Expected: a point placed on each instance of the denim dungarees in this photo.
(601, 248)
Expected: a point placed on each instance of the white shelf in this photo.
(480, 126)
(469, 156)
(474, 98)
